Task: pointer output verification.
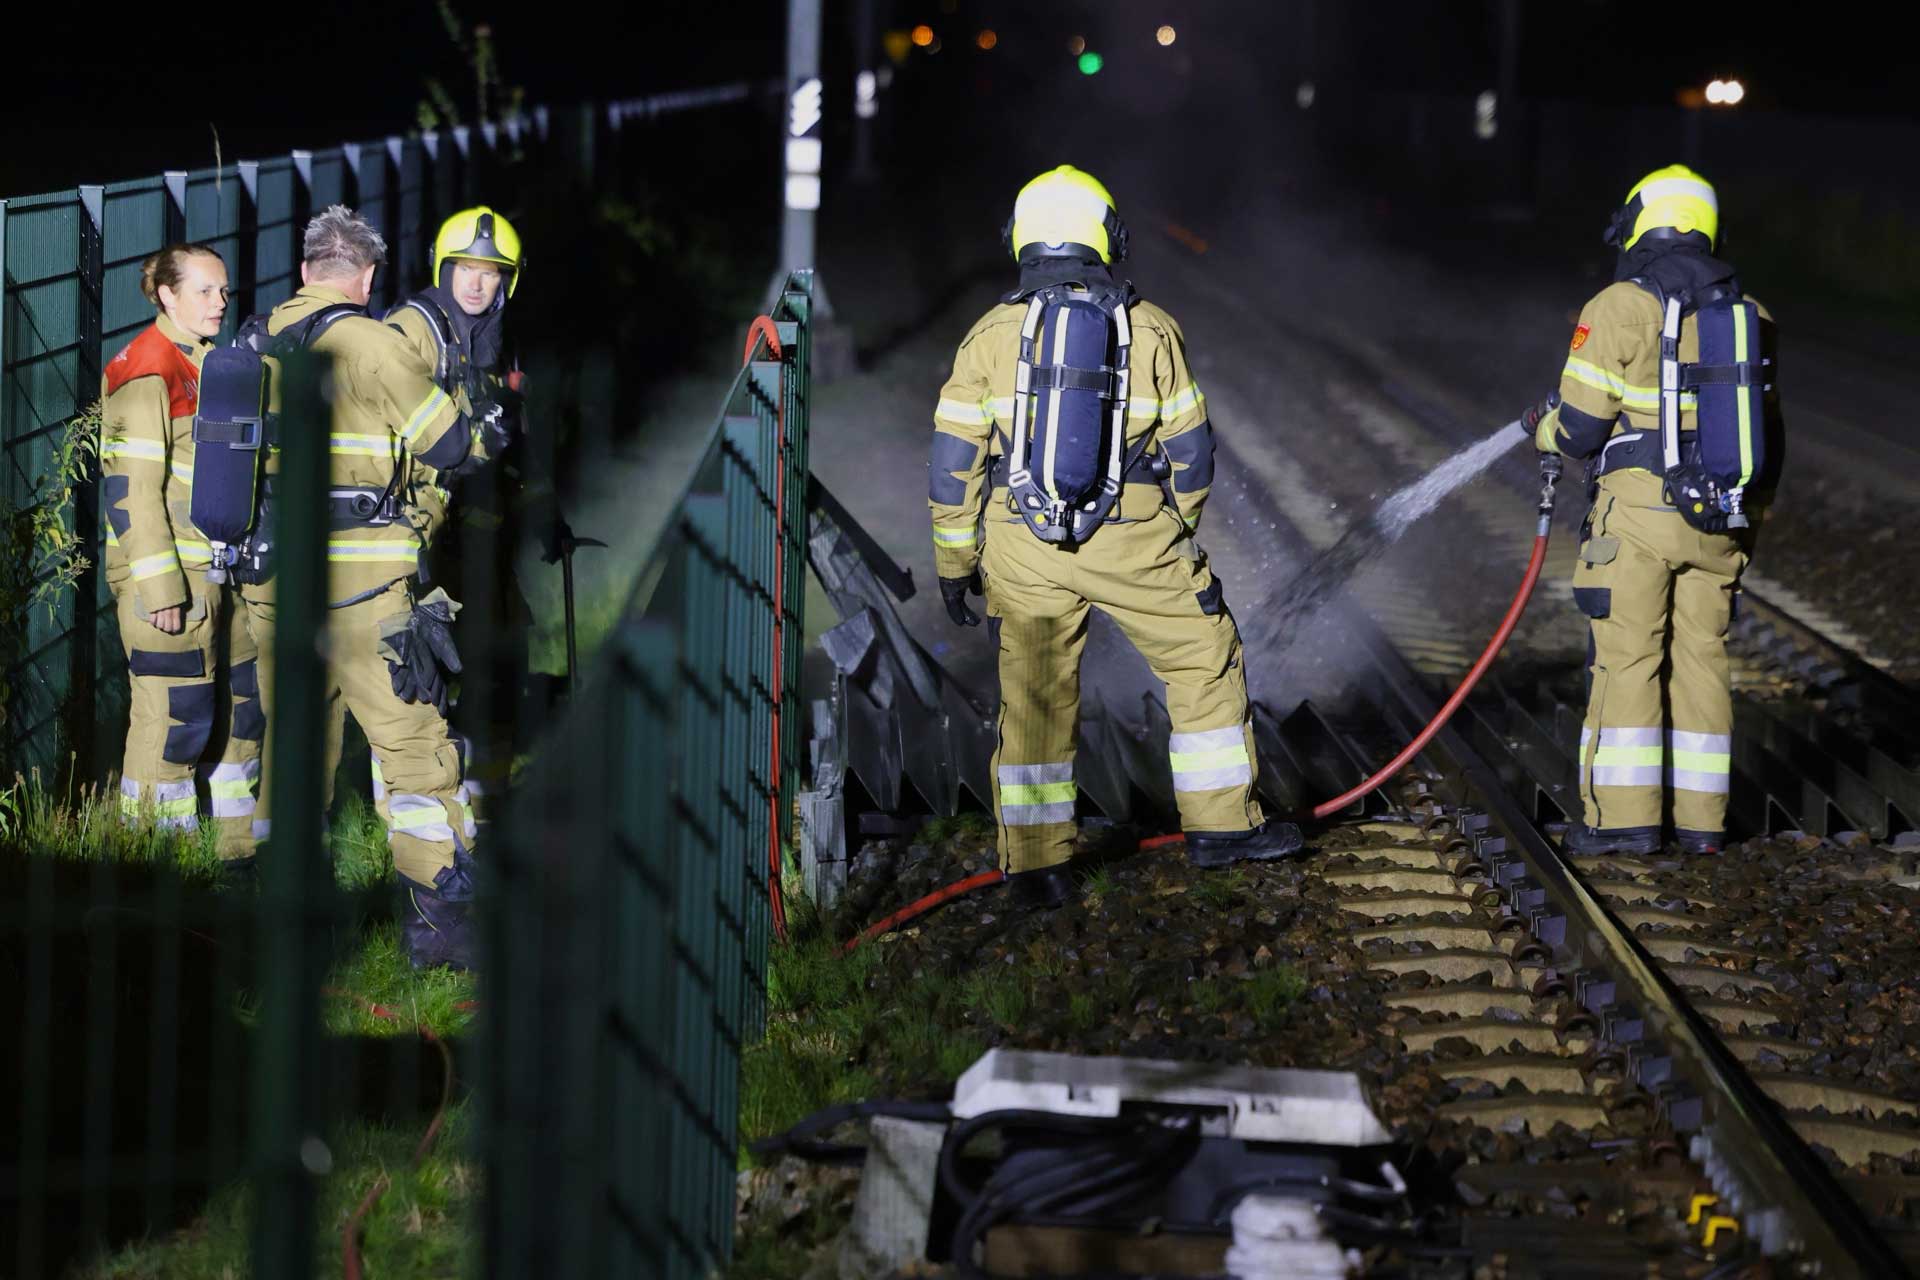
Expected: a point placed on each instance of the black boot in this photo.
(1210, 849)
(435, 923)
(1699, 843)
(1587, 841)
(1041, 890)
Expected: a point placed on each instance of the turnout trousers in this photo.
(1150, 578)
(1658, 595)
(194, 710)
(417, 783)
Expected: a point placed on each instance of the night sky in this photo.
(106, 100)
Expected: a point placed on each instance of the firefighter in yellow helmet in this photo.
(1071, 460)
(473, 527)
(1668, 393)
(388, 644)
(190, 659)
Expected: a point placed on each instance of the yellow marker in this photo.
(1717, 1224)
(1695, 1205)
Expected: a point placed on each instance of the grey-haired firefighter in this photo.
(473, 523)
(190, 659)
(390, 649)
(1071, 461)
(1668, 391)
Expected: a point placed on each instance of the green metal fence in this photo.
(633, 907)
(166, 1040)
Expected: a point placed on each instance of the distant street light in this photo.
(923, 35)
(1077, 45)
(1165, 36)
(1484, 123)
(1090, 62)
(1725, 93)
(1303, 96)
(987, 39)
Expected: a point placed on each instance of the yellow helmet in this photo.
(1674, 199)
(1065, 213)
(481, 235)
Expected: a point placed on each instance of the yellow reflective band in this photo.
(1188, 399)
(146, 450)
(396, 550)
(1037, 793)
(182, 470)
(191, 550)
(182, 808)
(1743, 396)
(1000, 408)
(1193, 521)
(1628, 755)
(971, 415)
(418, 420)
(230, 789)
(155, 565)
(361, 446)
(1703, 761)
(434, 815)
(1203, 761)
(113, 539)
(1594, 376)
(946, 536)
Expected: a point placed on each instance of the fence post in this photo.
(288, 1150)
(174, 217)
(246, 273)
(82, 722)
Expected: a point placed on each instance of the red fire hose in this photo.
(1323, 810)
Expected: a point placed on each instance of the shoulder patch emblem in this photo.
(1580, 337)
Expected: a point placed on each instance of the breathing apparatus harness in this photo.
(245, 553)
(1066, 458)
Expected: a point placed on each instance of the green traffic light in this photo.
(1090, 62)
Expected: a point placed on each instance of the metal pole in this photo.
(866, 91)
(801, 139)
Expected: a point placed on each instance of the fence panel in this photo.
(637, 873)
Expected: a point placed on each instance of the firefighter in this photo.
(1683, 471)
(1071, 460)
(190, 660)
(389, 647)
(457, 325)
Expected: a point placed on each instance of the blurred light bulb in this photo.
(1090, 62)
(923, 35)
(1303, 96)
(1165, 36)
(1077, 45)
(987, 39)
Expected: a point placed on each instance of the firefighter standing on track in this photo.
(190, 660)
(1668, 390)
(1070, 462)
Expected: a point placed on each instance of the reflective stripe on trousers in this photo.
(1625, 758)
(1210, 759)
(231, 787)
(1700, 761)
(1032, 795)
(172, 805)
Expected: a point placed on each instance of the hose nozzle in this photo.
(1550, 465)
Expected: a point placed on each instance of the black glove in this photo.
(1534, 412)
(954, 592)
(496, 423)
(419, 650)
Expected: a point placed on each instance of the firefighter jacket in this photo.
(388, 418)
(973, 419)
(150, 393)
(1610, 385)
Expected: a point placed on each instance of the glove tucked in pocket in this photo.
(418, 646)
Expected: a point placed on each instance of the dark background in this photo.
(96, 93)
